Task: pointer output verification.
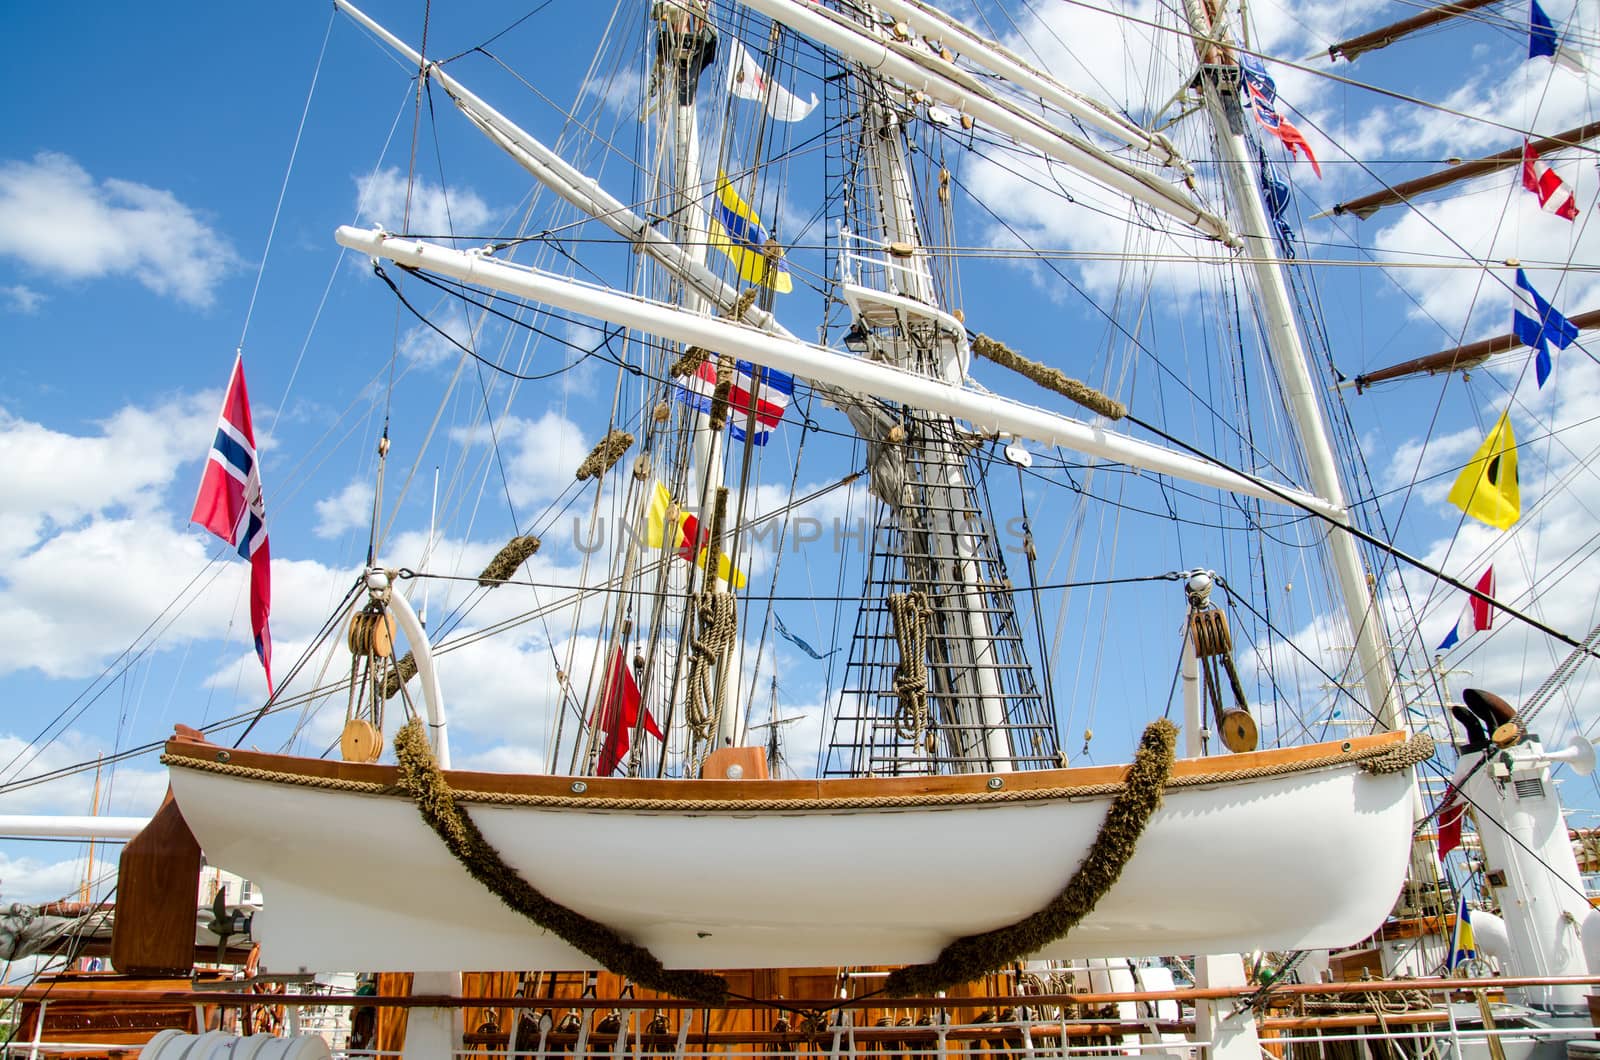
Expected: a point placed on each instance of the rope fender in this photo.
(975, 956)
(425, 783)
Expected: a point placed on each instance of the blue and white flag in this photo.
(796, 641)
(1536, 323)
(1543, 40)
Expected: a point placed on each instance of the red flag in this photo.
(1554, 195)
(619, 715)
(229, 504)
(1482, 613)
(1451, 811)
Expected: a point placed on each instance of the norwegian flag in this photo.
(229, 505)
(1261, 96)
(772, 396)
(1554, 195)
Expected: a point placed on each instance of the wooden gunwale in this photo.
(289, 768)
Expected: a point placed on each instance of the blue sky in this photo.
(138, 183)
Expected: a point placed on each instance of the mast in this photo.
(951, 556)
(683, 51)
(1218, 84)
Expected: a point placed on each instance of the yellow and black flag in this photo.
(737, 232)
(1487, 487)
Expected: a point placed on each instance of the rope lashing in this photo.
(1415, 751)
(604, 456)
(425, 783)
(1049, 378)
(405, 668)
(723, 391)
(975, 956)
(505, 563)
(911, 612)
(689, 361)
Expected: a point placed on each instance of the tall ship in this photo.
(860, 407)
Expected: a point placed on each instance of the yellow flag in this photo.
(685, 529)
(1487, 488)
(737, 232)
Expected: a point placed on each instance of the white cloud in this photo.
(57, 220)
(541, 456)
(1535, 562)
(434, 211)
(127, 789)
(59, 477)
(34, 880)
(92, 554)
(22, 298)
(349, 509)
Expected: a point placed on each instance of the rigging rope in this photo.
(1049, 378)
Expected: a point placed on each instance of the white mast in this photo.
(950, 547)
(677, 22)
(1218, 84)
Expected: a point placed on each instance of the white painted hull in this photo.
(357, 881)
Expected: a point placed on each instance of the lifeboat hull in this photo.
(733, 874)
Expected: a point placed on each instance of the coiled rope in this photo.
(718, 624)
(910, 612)
(975, 956)
(422, 779)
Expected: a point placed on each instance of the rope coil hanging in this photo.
(975, 956)
(911, 612)
(425, 783)
(719, 397)
(689, 361)
(718, 624)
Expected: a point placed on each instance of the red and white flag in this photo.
(229, 504)
(1477, 615)
(747, 81)
(1554, 195)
